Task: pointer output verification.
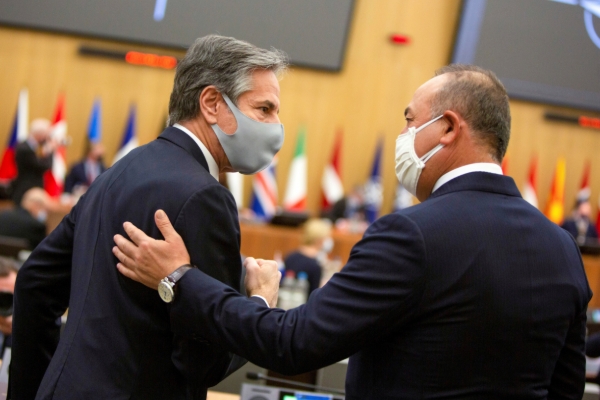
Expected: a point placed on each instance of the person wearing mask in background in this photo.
(8, 276)
(86, 171)
(28, 221)
(472, 294)
(33, 157)
(579, 223)
(316, 244)
(117, 342)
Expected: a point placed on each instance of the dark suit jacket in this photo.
(77, 176)
(30, 171)
(118, 343)
(472, 294)
(18, 223)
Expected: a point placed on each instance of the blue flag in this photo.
(373, 188)
(95, 123)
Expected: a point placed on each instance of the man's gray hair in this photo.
(480, 98)
(226, 63)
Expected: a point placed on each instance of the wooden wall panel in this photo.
(365, 100)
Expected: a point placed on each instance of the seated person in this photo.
(316, 242)
(28, 221)
(8, 276)
(579, 224)
(87, 170)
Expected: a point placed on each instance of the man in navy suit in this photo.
(472, 294)
(85, 172)
(118, 341)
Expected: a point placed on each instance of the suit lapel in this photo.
(181, 139)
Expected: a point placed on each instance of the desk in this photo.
(262, 241)
(221, 396)
(591, 263)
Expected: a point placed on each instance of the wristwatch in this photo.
(166, 287)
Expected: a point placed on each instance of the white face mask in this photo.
(408, 165)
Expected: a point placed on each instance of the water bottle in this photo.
(286, 291)
(300, 290)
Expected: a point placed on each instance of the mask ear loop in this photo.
(437, 148)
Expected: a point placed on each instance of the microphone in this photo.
(258, 376)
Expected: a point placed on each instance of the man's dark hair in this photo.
(480, 98)
(7, 266)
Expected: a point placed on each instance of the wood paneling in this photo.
(366, 99)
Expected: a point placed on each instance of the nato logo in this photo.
(590, 8)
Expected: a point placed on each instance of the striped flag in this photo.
(54, 179)
(556, 205)
(331, 183)
(264, 192)
(8, 166)
(373, 188)
(295, 194)
(530, 189)
(130, 141)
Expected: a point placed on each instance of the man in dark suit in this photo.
(28, 221)
(85, 172)
(472, 294)
(33, 157)
(118, 342)
(579, 223)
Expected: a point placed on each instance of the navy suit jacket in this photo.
(472, 294)
(77, 176)
(30, 171)
(118, 343)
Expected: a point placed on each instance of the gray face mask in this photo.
(253, 145)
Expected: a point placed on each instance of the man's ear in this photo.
(209, 101)
(454, 125)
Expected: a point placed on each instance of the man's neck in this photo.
(205, 134)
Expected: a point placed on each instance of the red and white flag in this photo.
(530, 189)
(54, 179)
(331, 182)
(585, 190)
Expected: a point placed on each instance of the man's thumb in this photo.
(164, 225)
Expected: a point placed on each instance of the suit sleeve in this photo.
(41, 297)
(209, 226)
(28, 160)
(374, 295)
(569, 373)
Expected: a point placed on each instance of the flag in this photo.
(235, 183)
(530, 189)
(8, 166)
(331, 182)
(598, 217)
(129, 139)
(54, 179)
(403, 198)
(585, 190)
(556, 205)
(95, 123)
(295, 194)
(264, 192)
(373, 188)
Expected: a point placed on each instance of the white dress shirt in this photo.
(213, 168)
(466, 169)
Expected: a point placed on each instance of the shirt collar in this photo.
(213, 168)
(465, 169)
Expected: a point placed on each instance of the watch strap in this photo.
(179, 272)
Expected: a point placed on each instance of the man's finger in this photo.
(164, 225)
(125, 246)
(123, 258)
(126, 272)
(135, 234)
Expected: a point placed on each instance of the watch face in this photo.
(165, 292)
